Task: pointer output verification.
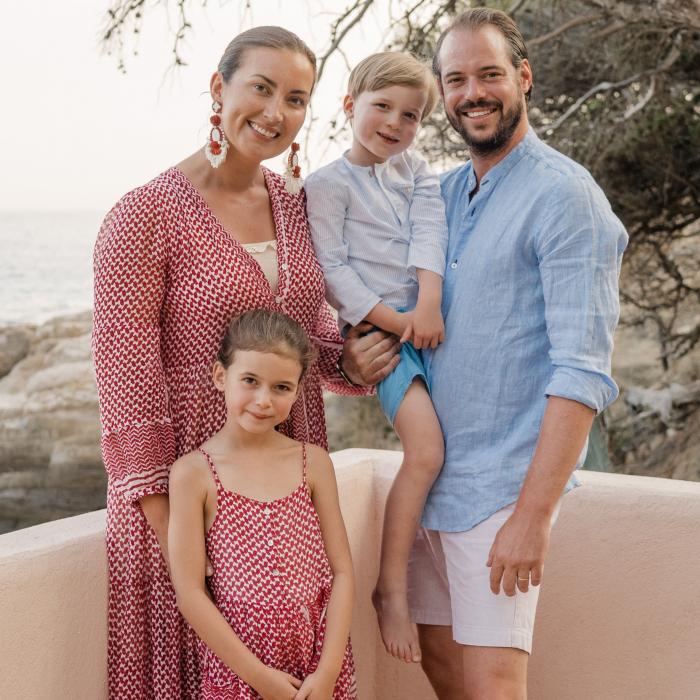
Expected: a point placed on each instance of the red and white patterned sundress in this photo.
(272, 582)
(168, 279)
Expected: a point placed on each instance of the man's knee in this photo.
(441, 660)
(495, 673)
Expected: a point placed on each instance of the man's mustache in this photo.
(469, 106)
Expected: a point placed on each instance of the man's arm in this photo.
(579, 247)
(521, 545)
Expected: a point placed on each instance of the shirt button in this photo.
(454, 265)
(284, 266)
(279, 299)
(270, 542)
(275, 572)
(267, 511)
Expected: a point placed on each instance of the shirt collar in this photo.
(503, 167)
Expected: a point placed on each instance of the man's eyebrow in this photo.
(273, 84)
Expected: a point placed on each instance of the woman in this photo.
(174, 261)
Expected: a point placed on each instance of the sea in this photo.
(45, 264)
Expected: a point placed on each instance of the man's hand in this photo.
(367, 359)
(518, 552)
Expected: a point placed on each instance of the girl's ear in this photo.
(219, 375)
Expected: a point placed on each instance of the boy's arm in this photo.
(324, 493)
(428, 327)
(188, 493)
(326, 208)
(428, 244)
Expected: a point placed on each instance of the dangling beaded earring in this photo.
(217, 145)
(292, 173)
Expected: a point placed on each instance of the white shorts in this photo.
(448, 584)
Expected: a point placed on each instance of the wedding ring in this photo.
(523, 579)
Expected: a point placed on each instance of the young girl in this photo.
(264, 509)
(379, 230)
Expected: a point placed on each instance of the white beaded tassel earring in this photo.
(292, 173)
(217, 145)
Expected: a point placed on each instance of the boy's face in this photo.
(384, 122)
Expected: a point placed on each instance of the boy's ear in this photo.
(219, 375)
(348, 105)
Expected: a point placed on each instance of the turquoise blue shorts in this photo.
(392, 389)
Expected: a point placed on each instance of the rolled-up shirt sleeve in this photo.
(579, 249)
(428, 246)
(326, 208)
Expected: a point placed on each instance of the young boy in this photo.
(378, 227)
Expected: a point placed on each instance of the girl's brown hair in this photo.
(267, 331)
(262, 37)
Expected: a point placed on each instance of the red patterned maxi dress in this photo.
(168, 278)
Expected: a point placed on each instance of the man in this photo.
(530, 302)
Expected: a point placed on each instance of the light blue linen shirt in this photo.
(372, 228)
(530, 301)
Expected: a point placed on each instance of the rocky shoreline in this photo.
(50, 464)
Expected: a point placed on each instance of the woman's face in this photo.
(264, 102)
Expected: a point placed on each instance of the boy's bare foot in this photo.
(399, 634)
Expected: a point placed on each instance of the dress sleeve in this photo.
(428, 245)
(330, 346)
(130, 268)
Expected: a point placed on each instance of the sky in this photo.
(76, 134)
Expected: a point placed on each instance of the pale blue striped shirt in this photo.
(530, 301)
(372, 228)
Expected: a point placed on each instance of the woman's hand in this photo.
(276, 685)
(367, 359)
(316, 686)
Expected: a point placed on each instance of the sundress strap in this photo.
(212, 468)
(303, 463)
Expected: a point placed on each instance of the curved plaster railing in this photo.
(619, 611)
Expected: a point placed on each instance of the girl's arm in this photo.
(324, 493)
(188, 493)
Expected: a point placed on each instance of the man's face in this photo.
(482, 90)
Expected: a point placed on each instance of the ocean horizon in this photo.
(46, 264)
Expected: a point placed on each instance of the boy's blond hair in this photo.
(389, 68)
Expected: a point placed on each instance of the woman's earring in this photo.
(217, 145)
(292, 173)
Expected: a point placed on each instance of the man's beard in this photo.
(507, 125)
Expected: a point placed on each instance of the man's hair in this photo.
(478, 17)
(389, 68)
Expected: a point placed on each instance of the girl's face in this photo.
(259, 388)
(264, 103)
(384, 122)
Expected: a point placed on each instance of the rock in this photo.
(14, 346)
(50, 462)
(358, 422)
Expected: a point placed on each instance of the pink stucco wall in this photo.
(619, 611)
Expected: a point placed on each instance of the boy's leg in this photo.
(423, 454)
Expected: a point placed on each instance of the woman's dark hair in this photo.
(478, 17)
(267, 331)
(261, 37)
